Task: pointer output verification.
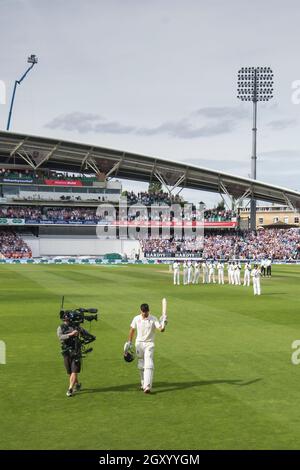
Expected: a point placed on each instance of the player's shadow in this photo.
(275, 293)
(163, 387)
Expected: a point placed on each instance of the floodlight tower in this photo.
(254, 84)
(32, 59)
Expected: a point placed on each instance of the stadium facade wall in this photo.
(80, 246)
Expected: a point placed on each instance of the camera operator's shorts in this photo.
(72, 365)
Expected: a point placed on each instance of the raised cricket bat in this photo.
(164, 306)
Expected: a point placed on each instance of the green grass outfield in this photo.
(223, 379)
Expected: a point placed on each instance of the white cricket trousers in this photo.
(211, 277)
(247, 278)
(145, 355)
(196, 276)
(176, 277)
(256, 286)
(237, 278)
(221, 276)
(185, 276)
(189, 279)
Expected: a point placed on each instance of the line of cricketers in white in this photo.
(191, 274)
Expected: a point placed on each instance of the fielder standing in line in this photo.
(185, 273)
(211, 275)
(237, 273)
(190, 272)
(232, 273)
(247, 272)
(176, 273)
(196, 273)
(229, 270)
(204, 272)
(220, 267)
(145, 325)
(255, 274)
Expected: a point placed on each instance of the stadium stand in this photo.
(276, 243)
(47, 185)
(41, 177)
(147, 198)
(43, 213)
(13, 246)
(50, 191)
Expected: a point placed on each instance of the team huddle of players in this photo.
(192, 271)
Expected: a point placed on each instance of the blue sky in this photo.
(157, 78)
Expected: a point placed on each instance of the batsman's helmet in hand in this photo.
(129, 356)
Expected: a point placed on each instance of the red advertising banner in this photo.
(63, 183)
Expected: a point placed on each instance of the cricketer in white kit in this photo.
(211, 274)
(237, 274)
(247, 272)
(220, 267)
(190, 272)
(185, 273)
(176, 273)
(204, 272)
(232, 274)
(229, 270)
(196, 273)
(145, 325)
(255, 274)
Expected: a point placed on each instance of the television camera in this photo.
(76, 345)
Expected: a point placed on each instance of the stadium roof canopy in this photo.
(26, 151)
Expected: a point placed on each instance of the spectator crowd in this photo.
(275, 243)
(38, 213)
(151, 198)
(83, 213)
(13, 246)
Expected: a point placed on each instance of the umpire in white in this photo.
(145, 326)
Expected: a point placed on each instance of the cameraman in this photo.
(69, 338)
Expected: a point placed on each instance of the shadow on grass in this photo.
(275, 293)
(162, 387)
